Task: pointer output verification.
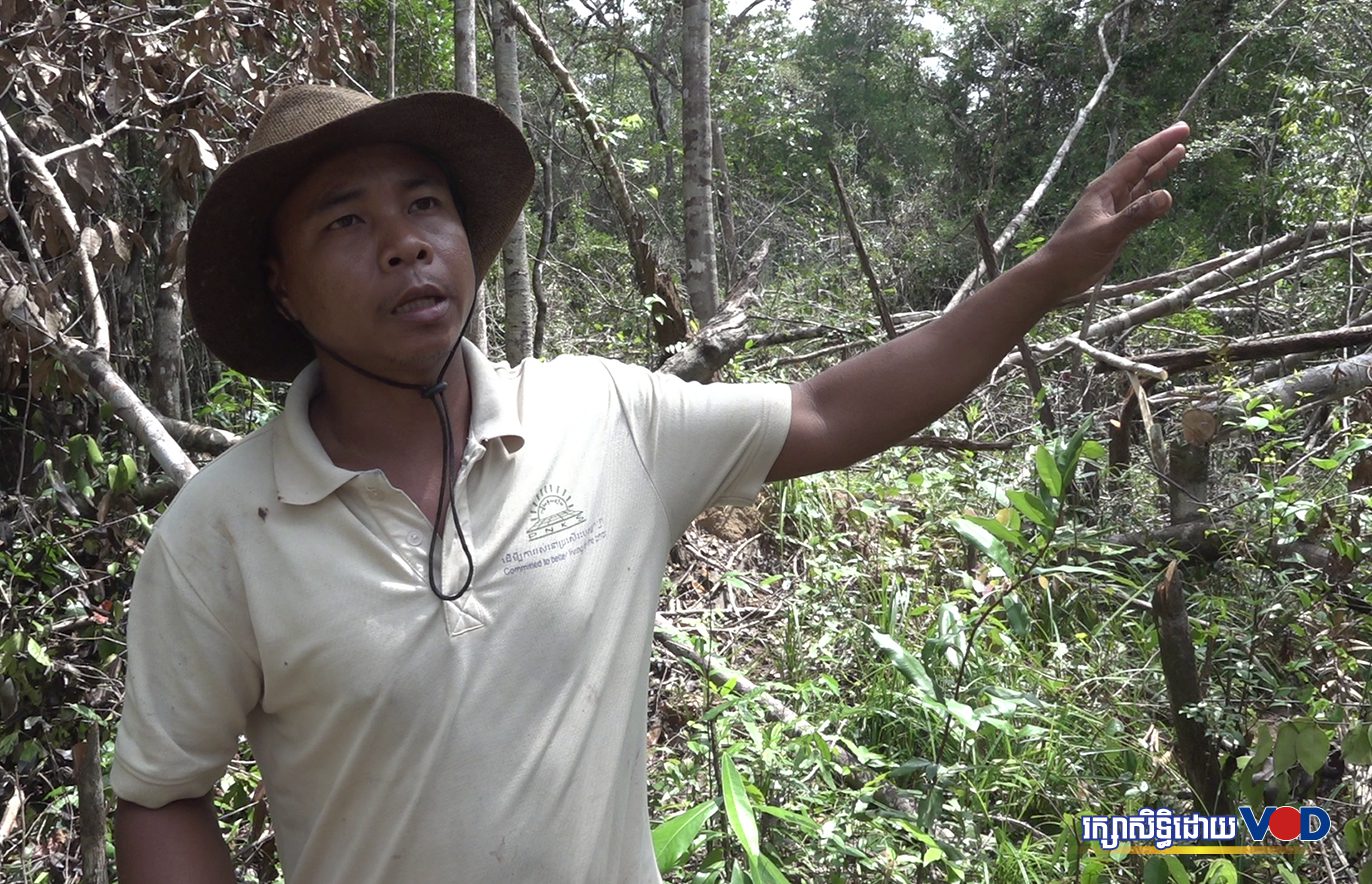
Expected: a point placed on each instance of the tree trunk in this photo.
(725, 199)
(167, 361)
(390, 55)
(464, 80)
(697, 181)
(545, 239)
(519, 301)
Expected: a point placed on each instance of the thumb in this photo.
(1144, 211)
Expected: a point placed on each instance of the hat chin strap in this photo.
(446, 494)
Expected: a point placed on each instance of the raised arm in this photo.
(866, 404)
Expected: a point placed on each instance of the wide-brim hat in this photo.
(479, 148)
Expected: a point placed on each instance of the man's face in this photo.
(371, 256)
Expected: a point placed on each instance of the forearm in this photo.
(176, 843)
(868, 403)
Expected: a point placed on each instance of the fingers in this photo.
(1143, 211)
(1159, 172)
(1135, 166)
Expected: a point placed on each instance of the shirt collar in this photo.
(306, 475)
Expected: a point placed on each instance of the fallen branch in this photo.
(196, 437)
(804, 333)
(1116, 361)
(92, 367)
(1263, 348)
(1248, 261)
(726, 333)
(1320, 384)
(1152, 283)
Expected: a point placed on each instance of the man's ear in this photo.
(278, 291)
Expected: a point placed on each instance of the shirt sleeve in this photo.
(702, 444)
(192, 679)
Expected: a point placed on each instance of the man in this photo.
(439, 652)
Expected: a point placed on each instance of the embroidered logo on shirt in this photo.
(552, 513)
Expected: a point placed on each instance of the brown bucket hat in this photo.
(483, 153)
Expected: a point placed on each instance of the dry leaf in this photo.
(204, 153)
(90, 241)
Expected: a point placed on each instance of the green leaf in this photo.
(999, 531)
(127, 473)
(1221, 871)
(1155, 871)
(672, 838)
(951, 633)
(906, 663)
(1353, 836)
(1365, 873)
(1048, 471)
(1017, 614)
(1312, 748)
(1031, 506)
(1176, 871)
(1357, 744)
(40, 656)
(963, 714)
(986, 542)
(804, 821)
(1071, 453)
(1263, 743)
(738, 808)
(93, 454)
(764, 871)
(1284, 753)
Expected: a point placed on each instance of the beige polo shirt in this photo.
(407, 739)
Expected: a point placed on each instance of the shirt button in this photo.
(414, 538)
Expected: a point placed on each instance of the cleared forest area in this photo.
(1131, 571)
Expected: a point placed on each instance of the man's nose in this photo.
(404, 245)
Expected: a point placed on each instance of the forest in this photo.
(1129, 572)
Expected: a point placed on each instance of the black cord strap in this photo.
(447, 504)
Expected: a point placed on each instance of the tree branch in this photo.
(1224, 62)
(1003, 240)
(878, 298)
(100, 324)
(669, 323)
(92, 366)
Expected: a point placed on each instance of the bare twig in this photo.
(877, 297)
(1003, 240)
(94, 141)
(1116, 361)
(1224, 62)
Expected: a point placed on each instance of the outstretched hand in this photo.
(1112, 208)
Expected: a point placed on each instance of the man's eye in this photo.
(426, 202)
(345, 221)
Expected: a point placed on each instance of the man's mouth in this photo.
(416, 304)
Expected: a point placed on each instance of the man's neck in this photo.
(365, 424)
